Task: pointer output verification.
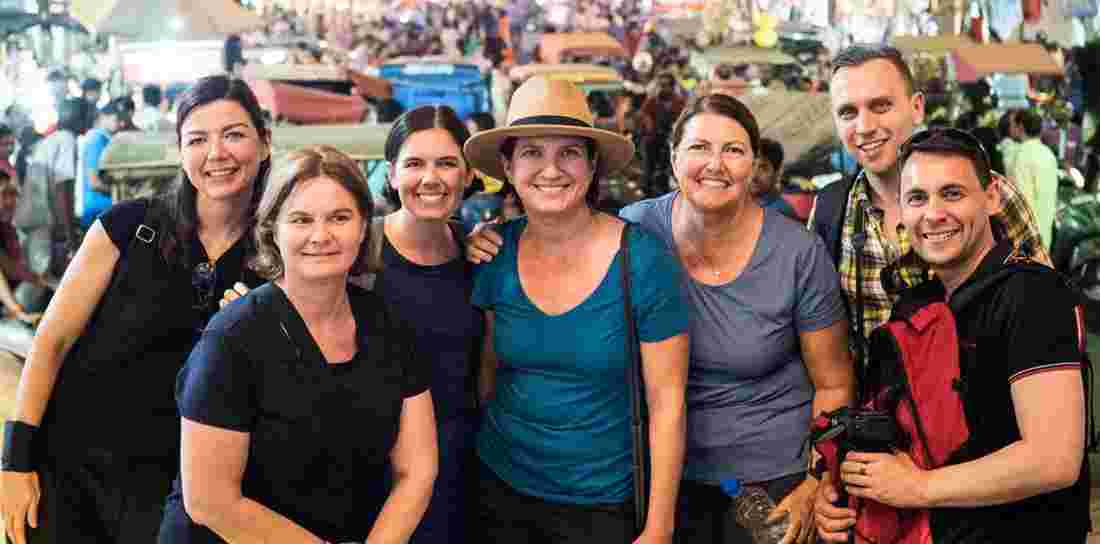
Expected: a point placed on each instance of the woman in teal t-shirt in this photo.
(555, 442)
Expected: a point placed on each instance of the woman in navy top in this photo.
(426, 281)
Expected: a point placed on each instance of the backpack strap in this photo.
(829, 208)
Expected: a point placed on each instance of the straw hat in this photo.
(547, 107)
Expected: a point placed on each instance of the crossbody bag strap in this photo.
(634, 382)
(144, 244)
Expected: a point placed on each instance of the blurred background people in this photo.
(767, 180)
(93, 195)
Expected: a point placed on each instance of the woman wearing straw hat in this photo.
(555, 444)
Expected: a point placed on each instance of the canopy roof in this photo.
(134, 156)
(975, 61)
(931, 44)
(747, 54)
(597, 44)
(144, 21)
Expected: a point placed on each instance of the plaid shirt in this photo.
(886, 268)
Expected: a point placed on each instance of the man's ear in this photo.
(994, 196)
(917, 103)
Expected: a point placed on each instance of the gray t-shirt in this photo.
(52, 162)
(749, 395)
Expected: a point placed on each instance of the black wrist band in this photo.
(18, 447)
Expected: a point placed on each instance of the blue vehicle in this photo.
(463, 87)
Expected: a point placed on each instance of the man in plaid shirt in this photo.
(876, 107)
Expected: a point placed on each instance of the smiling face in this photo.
(221, 151)
(430, 174)
(713, 162)
(319, 230)
(946, 212)
(874, 113)
(551, 174)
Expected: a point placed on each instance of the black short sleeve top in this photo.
(320, 434)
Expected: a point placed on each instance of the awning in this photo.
(746, 54)
(596, 44)
(587, 77)
(144, 21)
(936, 45)
(975, 61)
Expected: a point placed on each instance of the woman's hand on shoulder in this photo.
(483, 243)
(239, 290)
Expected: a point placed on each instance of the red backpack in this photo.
(902, 394)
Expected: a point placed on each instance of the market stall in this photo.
(975, 61)
(562, 46)
(142, 164)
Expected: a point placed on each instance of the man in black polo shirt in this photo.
(1027, 478)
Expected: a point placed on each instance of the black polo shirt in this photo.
(320, 434)
(1022, 326)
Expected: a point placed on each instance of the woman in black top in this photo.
(426, 280)
(93, 445)
(301, 395)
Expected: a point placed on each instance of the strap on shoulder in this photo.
(829, 210)
(147, 231)
(377, 238)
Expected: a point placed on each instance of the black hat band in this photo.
(550, 120)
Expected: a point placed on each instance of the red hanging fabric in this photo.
(1032, 10)
(977, 29)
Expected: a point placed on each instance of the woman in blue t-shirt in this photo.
(555, 442)
(425, 280)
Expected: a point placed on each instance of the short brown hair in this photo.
(862, 53)
(718, 104)
(286, 173)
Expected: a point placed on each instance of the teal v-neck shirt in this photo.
(558, 427)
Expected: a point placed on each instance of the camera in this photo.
(856, 429)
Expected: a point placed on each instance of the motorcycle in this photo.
(1075, 250)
